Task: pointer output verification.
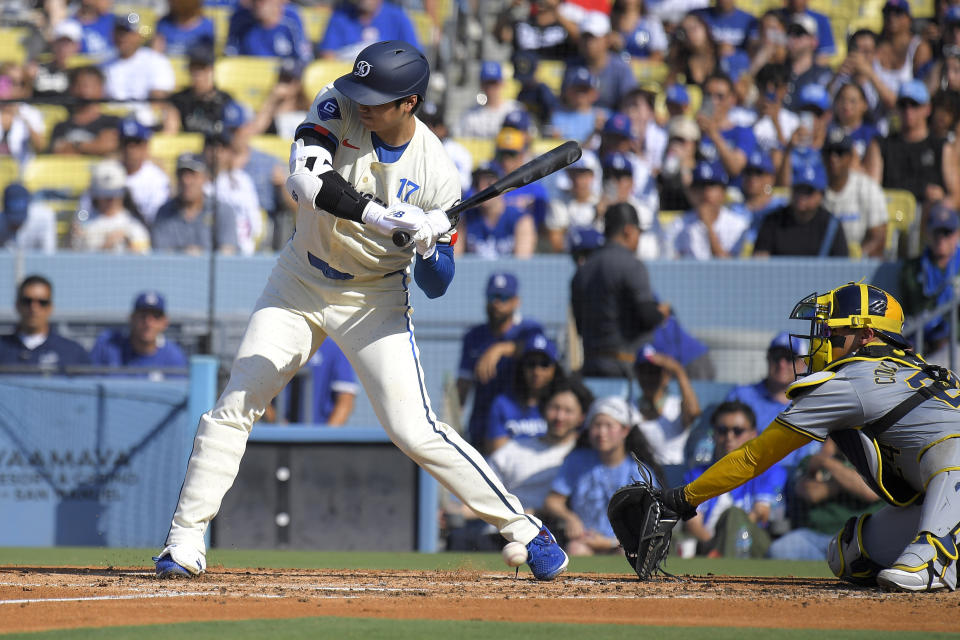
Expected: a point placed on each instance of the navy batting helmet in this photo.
(384, 72)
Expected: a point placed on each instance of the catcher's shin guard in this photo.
(928, 563)
(847, 557)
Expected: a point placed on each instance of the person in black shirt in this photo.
(803, 227)
(200, 107)
(87, 130)
(613, 304)
(34, 343)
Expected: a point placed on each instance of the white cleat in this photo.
(900, 580)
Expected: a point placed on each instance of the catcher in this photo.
(893, 415)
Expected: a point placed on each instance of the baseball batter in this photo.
(362, 166)
(896, 419)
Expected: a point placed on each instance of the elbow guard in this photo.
(339, 198)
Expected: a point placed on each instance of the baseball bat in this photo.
(540, 167)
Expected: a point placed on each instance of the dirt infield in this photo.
(41, 598)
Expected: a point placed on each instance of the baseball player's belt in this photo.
(333, 274)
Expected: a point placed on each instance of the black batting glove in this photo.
(676, 500)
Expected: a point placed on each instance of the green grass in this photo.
(311, 628)
(109, 557)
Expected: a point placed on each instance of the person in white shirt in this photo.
(485, 119)
(109, 226)
(26, 225)
(665, 417)
(774, 124)
(709, 229)
(234, 186)
(576, 207)
(853, 197)
(528, 465)
(148, 184)
(137, 72)
(21, 125)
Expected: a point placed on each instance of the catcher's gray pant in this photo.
(370, 321)
(918, 537)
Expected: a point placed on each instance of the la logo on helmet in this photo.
(363, 69)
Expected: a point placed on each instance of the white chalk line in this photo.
(95, 598)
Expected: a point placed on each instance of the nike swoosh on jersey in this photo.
(346, 143)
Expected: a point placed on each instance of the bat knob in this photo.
(401, 238)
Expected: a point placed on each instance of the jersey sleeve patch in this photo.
(329, 109)
(808, 382)
(318, 130)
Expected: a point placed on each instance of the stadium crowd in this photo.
(711, 129)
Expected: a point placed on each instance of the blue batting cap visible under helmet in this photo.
(384, 72)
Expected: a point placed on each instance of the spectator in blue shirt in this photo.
(720, 138)
(97, 22)
(269, 28)
(487, 355)
(333, 387)
(183, 28)
(577, 117)
(356, 24)
(34, 343)
(495, 229)
(590, 475)
(802, 60)
(142, 345)
(641, 35)
(729, 25)
(614, 76)
(822, 30)
(744, 513)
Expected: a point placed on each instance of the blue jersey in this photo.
(735, 64)
(495, 241)
(56, 352)
(672, 339)
(589, 485)
(532, 198)
(646, 38)
(180, 40)
(767, 487)
(476, 341)
(345, 32)
(862, 136)
(511, 419)
(736, 137)
(97, 39)
(728, 28)
(113, 349)
(332, 374)
(286, 39)
(574, 125)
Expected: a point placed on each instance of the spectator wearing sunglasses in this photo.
(34, 343)
(745, 512)
(516, 413)
(142, 345)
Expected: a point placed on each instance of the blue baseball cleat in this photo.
(545, 557)
(168, 568)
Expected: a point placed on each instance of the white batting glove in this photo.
(396, 217)
(435, 224)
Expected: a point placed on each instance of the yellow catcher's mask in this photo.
(853, 305)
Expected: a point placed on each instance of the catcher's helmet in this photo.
(852, 305)
(384, 72)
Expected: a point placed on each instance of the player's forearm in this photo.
(745, 463)
(434, 274)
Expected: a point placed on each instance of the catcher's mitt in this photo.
(642, 524)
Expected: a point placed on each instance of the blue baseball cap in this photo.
(759, 160)
(618, 124)
(644, 353)
(783, 341)
(502, 285)
(810, 174)
(816, 96)
(539, 343)
(16, 203)
(150, 301)
(617, 163)
(490, 71)
(133, 129)
(519, 120)
(943, 218)
(914, 90)
(579, 76)
(677, 94)
(706, 172)
(234, 115)
(584, 239)
(899, 5)
(953, 15)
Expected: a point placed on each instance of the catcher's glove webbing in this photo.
(642, 524)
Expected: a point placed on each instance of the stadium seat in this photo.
(667, 217)
(9, 171)
(52, 114)
(166, 147)
(541, 145)
(181, 72)
(423, 25)
(923, 9)
(757, 7)
(550, 73)
(148, 17)
(481, 149)
(221, 25)
(320, 73)
(901, 212)
(649, 71)
(11, 44)
(274, 145)
(314, 21)
(248, 79)
(66, 176)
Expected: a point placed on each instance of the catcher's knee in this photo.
(847, 557)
